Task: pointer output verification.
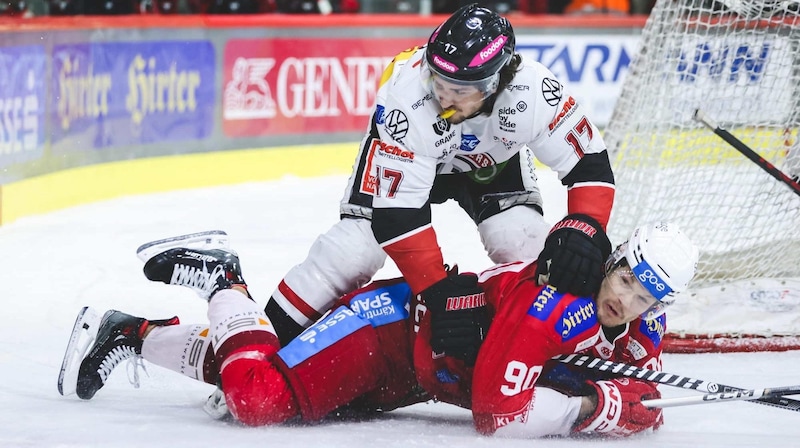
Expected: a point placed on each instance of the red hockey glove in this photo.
(459, 318)
(574, 254)
(619, 412)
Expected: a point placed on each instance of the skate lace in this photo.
(133, 370)
(202, 281)
(112, 360)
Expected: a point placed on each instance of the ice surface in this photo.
(56, 263)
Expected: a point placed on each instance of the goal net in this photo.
(739, 62)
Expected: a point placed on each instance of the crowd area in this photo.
(29, 8)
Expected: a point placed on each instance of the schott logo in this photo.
(491, 50)
(392, 150)
(444, 65)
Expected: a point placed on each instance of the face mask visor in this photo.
(638, 299)
(443, 86)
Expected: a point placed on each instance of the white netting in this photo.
(739, 62)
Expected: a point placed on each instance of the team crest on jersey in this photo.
(654, 329)
(469, 142)
(545, 303)
(441, 126)
(577, 317)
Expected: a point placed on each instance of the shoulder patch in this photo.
(577, 317)
(551, 91)
(380, 114)
(545, 302)
(654, 329)
(396, 125)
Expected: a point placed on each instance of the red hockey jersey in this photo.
(377, 343)
(531, 324)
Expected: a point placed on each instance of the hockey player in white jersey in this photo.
(462, 118)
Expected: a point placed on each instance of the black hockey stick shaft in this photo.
(720, 397)
(669, 379)
(749, 153)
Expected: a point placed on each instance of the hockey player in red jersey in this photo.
(373, 350)
(462, 117)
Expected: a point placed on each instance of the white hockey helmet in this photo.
(663, 259)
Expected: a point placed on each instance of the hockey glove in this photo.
(573, 256)
(459, 318)
(619, 411)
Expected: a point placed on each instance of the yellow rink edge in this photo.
(104, 181)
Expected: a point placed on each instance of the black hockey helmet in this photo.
(471, 46)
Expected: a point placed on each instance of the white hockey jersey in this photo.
(535, 113)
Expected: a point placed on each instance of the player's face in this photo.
(622, 298)
(465, 100)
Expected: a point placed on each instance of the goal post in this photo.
(739, 62)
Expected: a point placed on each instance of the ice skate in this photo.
(114, 338)
(203, 271)
(216, 406)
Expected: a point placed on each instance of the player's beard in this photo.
(457, 118)
(464, 113)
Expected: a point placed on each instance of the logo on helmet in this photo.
(648, 277)
(473, 23)
(444, 65)
(490, 51)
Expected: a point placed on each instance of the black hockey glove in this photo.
(574, 255)
(459, 318)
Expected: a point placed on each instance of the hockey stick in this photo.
(749, 153)
(669, 379)
(719, 397)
